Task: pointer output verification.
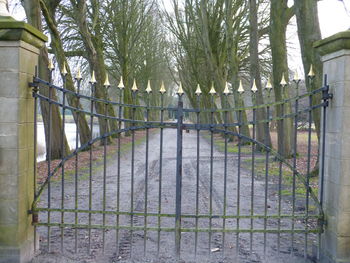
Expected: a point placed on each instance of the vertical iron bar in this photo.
(62, 156)
(308, 173)
(160, 170)
(178, 178)
(325, 101)
(211, 170)
(252, 179)
(197, 175)
(325, 98)
(35, 90)
(225, 175)
(49, 154)
(132, 170)
(238, 180)
(146, 179)
(104, 174)
(280, 176)
(118, 168)
(90, 158)
(76, 167)
(295, 163)
(266, 172)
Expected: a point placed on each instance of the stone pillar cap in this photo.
(333, 43)
(13, 30)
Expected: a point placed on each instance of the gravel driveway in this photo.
(133, 244)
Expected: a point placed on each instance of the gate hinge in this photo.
(322, 223)
(325, 93)
(34, 85)
(35, 216)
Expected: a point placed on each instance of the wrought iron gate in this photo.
(231, 196)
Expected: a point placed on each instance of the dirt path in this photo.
(133, 244)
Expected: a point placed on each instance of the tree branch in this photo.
(73, 53)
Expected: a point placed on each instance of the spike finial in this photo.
(149, 89)
(198, 91)
(283, 81)
(121, 83)
(212, 90)
(227, 90)
(93, 79)
(311, 73)
(64, 70)
(240, 88)
(180, 91)
(134, 86)
(78, 75)
(51, 67)
(296, 77)
(162, 88)
(107, 84)
(269, 85)
(254, 87)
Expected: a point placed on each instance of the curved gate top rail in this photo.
(289, 204)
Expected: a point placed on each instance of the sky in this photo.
(333, 17)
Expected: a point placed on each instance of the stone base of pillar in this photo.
(335, 245)
(21, 254)
(19, 52)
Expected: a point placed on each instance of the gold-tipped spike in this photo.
(311, 72)
(134, 86)
(283, 81)
(162, 88)
(121, 83)
(240, 88)
(107, 84)
(64, 70)
(254, 87)
(296, 76)
(212, 90)
(51, 66)
(93, 79)
(78, 76)
(180, 91)
(227, 90)
(198, 91)
(149, 89)
(269, 85)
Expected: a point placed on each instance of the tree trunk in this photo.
(56, 44)
(32, 9)
(96, 62)
(233, 64)
(263, 133)
(280, 16)
(309, 32)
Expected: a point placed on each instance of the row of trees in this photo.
(199, 42)
(122, 38)
(228, 40)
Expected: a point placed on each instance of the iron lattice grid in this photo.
(276, 220)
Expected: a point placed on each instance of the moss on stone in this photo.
(333, 43)
(12, 30)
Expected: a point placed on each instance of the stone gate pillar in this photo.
(335, 52)
(19, 50)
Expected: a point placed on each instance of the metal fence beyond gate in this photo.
(213, 192)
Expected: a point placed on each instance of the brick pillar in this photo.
(335, 52)
(19, 51)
